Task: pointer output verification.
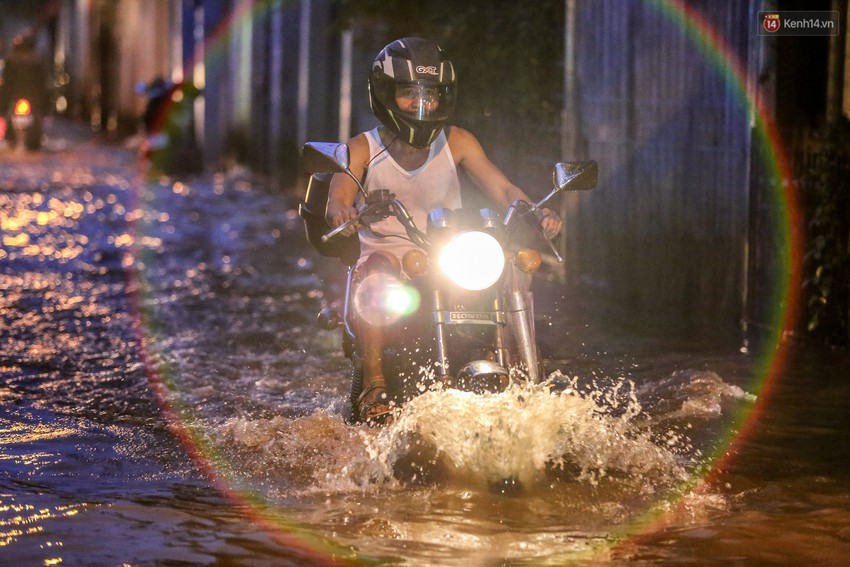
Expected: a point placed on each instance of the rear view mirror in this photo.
(575, 175)
(328, 157)
(324, 157)
(571, 176)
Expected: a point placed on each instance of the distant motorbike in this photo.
(466, 272)
(26, 123)
(24, 94)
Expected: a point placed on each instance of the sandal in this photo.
(376, 411)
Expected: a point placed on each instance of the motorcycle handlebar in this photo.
(380, 209)
(327, 236)
(523, 208)
(386, 204)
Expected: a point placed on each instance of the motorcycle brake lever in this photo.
(369, 214)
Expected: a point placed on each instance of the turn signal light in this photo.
(23, 107)
(528, 260)
(415, 263)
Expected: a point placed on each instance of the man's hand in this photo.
(343, 216)
(550, 222)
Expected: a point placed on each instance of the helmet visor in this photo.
(423, 102)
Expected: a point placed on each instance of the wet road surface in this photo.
(168, 400)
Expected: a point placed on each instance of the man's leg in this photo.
(373, 403)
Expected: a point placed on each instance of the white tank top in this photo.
(434, 184)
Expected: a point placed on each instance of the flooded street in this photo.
(169, 400)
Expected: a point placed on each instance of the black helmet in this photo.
(416, 69)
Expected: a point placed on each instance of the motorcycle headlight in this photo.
(473, 260)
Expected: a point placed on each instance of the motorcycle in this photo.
(24, 95)
(27, 130)
(466, 272)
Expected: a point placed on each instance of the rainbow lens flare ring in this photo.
(771, 360)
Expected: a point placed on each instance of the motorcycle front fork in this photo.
(500, 348)
(514, 325)
(520, 315)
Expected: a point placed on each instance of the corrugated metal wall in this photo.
(665, 232)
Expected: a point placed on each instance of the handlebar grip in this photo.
(337, 230)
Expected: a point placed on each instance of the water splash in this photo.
(526, 432)
(309, 454)
(693, 395)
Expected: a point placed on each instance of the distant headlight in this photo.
(473, 260)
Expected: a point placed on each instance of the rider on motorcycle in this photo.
(412, 87)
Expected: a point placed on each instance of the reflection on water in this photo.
(168, 400)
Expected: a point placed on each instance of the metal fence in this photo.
(665, 233)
